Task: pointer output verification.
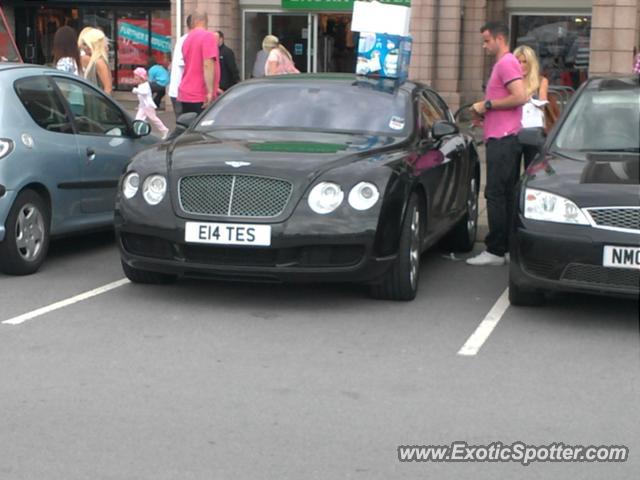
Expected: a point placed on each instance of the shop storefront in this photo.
(316, 32)
(560, 34)
(138, 30)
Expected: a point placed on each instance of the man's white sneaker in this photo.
(486, 259)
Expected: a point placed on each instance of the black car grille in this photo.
(541, 268)
(309, 256)
(234, 195)
(597, 275)
(627, 218)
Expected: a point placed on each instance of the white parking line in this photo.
(477, 338)
(64, 303)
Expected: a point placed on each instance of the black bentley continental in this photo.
(296, 178)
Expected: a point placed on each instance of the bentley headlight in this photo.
(6, 146)
(548, 207)
(130, 185)
(154, 189)
(325, 197)
(363, 196)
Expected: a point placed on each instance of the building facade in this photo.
(573, 38)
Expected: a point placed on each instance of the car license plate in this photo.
(228, 233)
(621, 257)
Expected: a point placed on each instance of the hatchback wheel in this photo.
(26, 241)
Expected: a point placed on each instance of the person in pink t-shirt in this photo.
(201, 77)
(502, 112)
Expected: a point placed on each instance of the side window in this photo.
(94, 114)
(43, 103)
(439, 106)
(428, 114)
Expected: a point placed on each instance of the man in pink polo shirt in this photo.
(502, 112)
(200, 78)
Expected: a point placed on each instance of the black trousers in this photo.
(158, 93)
(503, 169)
(177, 107)
(530, 152)
(192, 107)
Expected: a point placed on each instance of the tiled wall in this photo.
(615, 31)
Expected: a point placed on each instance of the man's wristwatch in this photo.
(488, 105)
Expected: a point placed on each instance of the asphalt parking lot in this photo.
(202, 380)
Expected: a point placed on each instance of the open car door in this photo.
(8, 49)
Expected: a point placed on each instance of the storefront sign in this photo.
(331, 5)
(133, 45)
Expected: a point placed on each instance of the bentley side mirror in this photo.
(186, 119)
(442, 128)
(141, 128)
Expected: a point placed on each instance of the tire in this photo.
(520, 297)
(26, 241)
(400, 282)
(462, 237)
(144, 276)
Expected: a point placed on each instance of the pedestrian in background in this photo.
(201, 77)
(536, 87)
(177, 67)
(229, 74)
(66, 55)
(146, 105)
(279, 60)
(636, 66)
(85, 51)
(259, 63)
(502, 112)
(158, 77)
(97, 70)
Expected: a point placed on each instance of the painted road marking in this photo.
(477, 338)
(65, 303)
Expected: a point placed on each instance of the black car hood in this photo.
(268, 152)
(600, 179)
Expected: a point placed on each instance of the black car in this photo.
(303, 178)
(577, 226)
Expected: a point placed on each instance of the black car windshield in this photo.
(319, 106)
(601, 121)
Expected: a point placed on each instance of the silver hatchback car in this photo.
(63, 146)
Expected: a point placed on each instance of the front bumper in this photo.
(292, 257)
(551, 256)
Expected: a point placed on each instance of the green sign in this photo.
(331, 5)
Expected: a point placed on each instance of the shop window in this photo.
(561, 43)
(133, 44)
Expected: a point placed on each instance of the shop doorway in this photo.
(318, 42)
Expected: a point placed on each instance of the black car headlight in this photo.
(325, 197)
(154, 189)
(549, 207)
(130, 185)
(363, 196)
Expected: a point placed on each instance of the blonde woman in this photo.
(537, 88)
(279, 60)
(85, 51)
(97, 70)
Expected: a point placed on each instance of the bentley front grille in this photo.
(247, 196)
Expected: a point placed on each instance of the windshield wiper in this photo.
(562, 154)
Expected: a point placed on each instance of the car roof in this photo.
(347, 79)
(622, 82)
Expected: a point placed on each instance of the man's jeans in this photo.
(503, 168)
